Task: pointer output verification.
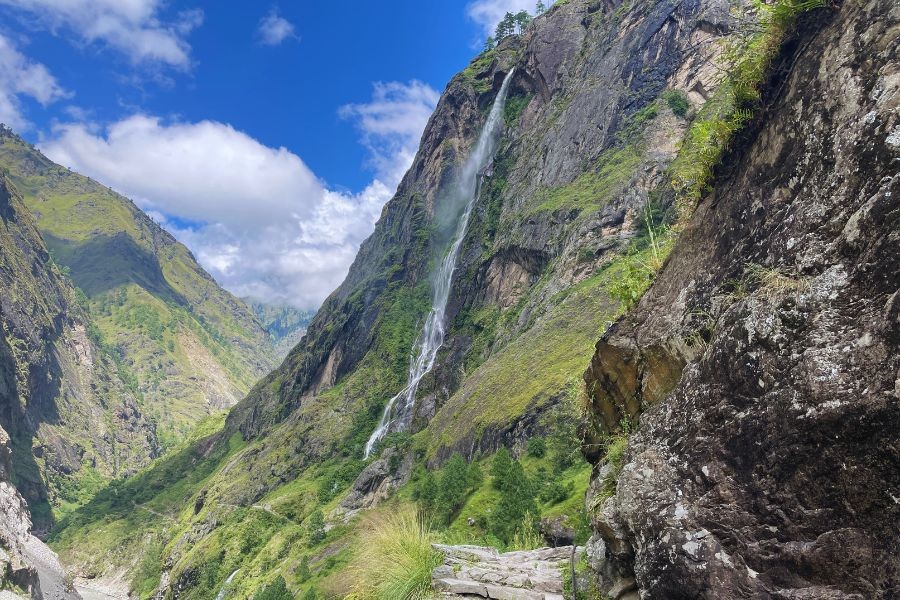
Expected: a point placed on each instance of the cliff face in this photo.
(762, 364)
(184, 346)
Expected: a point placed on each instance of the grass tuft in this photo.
(396, 560)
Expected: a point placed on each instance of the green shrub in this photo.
(277, 590)
(315, 527)
(537, 447)
(678, 102)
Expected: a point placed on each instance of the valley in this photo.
(628, 328)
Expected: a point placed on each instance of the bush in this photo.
(678, 102)
(277, 590)
(396, 560)
(537, 447)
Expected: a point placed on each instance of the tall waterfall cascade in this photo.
(398, 411)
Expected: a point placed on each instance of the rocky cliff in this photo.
(760, 369)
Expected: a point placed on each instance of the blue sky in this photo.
(264, 136)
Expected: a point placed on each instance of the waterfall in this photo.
(221, 594)
(398, 410)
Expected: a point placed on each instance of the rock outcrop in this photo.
(27, 565)
(482, 572)
(763, 362)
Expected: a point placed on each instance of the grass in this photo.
(747, 61)
(396, 560)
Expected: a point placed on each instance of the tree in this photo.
(540, 8)
(476, 477)
(521, 20)
(277, 590)
(516, 501)
(453, 488)
(505, 27)
(315, 527)
(426, 491)
(489, 43)
(303, 572)
(500, 467)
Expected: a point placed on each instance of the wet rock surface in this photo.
(482, 572)
(764, 360)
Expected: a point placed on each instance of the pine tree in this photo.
(315, 527)
(516, 501)
(489, 43)
(453, 488)
(500, 467)
(521, 20)
(540, 8)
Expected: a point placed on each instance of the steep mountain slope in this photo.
(766, 461)
(564, 234)
(185, 346)
(73, 423)
(285, 324)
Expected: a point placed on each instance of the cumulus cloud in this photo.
(273, 29)
(488, 13)
(132, 27)
(20, 76)
(268, 227)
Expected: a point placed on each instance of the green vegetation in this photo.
(513, 108)
(747, 61)
(277, 590)
(677, 101)
(397, 561)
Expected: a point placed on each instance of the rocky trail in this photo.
(483, 572)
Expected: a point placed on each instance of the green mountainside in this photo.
(285, 324)
(74, 422)
(184, 346)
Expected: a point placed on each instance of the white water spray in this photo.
(432, 335)
(221, 594)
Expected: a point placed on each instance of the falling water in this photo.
(221, 594)
(432, 335)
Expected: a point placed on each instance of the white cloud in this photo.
(132, 27)
(269, 227)
(392, 123)
(488, 13)
(20, 76)
(274, 29)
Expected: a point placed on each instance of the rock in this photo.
(484, 572)
(766, 454)
(556, 532)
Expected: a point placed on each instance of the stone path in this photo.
(480, 572)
